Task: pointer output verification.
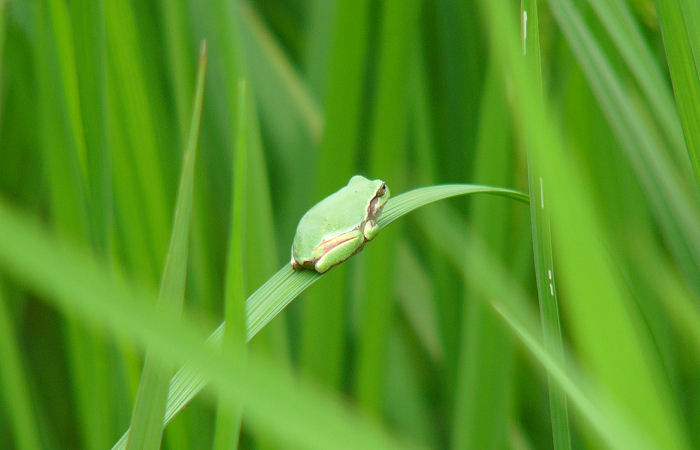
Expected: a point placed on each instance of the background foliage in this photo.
(474, 323)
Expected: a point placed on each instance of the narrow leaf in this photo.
(149, 409)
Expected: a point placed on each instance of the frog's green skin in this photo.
(339, 225)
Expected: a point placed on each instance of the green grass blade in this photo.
(228, 421)
(285, 285)
(680, 26)
(14, 384)
(542, 241)
(149, 409)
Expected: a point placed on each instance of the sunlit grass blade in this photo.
(596, 302)
(294, 412)
(228, 421)
(285, 285)
(542, 240)
(680, 26)
(15, 388)
(147, 419)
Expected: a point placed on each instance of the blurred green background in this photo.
(437, 334)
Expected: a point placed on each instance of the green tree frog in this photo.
(339, 225)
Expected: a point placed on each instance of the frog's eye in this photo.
(382, 190)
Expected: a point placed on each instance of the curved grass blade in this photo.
(149, 409)
(285, 285)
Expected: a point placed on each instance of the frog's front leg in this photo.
(337, 249)
(370, 229)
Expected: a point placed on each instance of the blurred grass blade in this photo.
(149, 409)
(674, 203)
(606, 326)
(542, 241)
(15, 388)
(228, 421)
(455, 239)
(294, 412)
(680, 26)
(622, 27)
(285, 285)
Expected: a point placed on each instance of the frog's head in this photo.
(381, 196)
(376, 192)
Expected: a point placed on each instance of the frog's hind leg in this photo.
(340, 252)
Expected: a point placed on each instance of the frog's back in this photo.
(333, 215)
